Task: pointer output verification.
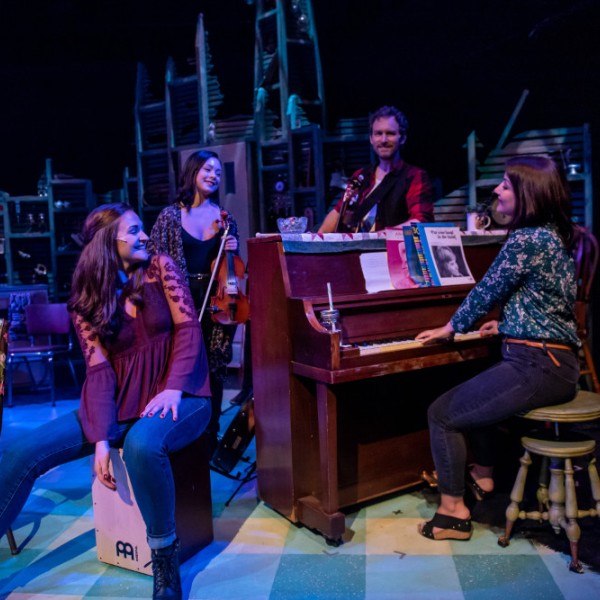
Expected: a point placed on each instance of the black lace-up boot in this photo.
(165, 568)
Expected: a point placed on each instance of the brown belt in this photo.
(543, 345)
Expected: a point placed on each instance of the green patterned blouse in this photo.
(533, 281)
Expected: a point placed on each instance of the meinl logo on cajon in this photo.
(126, 550)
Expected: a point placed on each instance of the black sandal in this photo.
(479, 493)
(451, 528)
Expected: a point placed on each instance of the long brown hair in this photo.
(542, 195)
(187, 181)
(97, 291)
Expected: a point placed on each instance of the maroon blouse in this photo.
(160, 348)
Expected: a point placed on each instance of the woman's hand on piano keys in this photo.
(441, 334)
(489, 328)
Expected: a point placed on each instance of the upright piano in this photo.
(341, 416)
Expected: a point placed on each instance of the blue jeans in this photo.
(147, 444)
(525, 378)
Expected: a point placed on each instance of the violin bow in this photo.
(214, 271)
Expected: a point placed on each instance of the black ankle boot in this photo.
(165, 568)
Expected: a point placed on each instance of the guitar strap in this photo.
(355, 218)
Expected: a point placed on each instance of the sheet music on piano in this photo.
(375, 270)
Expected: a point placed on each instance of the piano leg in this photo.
(321, 513)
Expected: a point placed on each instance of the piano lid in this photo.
(325, 243)
(310, 260)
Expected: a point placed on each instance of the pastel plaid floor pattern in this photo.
(259, 555)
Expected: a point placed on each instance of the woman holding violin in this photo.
(192, 231)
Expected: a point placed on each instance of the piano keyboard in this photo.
(394, 345)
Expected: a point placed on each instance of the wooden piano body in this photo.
(335, 427)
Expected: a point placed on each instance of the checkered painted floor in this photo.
(259, 555)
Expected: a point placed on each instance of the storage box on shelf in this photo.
(41, 244)
(70, 200)
(27, 239)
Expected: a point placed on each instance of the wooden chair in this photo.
(3, 352)
(49, 331)
(557, 498)
(586, 261)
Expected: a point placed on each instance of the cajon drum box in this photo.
(120, 529)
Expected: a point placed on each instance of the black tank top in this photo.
(199, 254)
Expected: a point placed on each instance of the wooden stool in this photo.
(558, 500)
(120, 529)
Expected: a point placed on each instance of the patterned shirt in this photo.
(533, 281)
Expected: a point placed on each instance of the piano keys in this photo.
(335, 426)
(383, 346)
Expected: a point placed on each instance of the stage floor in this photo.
(259, 555)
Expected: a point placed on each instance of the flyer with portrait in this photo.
(436, 252)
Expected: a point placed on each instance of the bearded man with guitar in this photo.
(388, 193)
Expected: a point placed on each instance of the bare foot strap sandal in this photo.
(451, 528)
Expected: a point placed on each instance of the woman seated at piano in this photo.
(533, 281)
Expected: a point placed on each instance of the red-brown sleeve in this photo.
(97, 408)
(419, 198)
(188, 365)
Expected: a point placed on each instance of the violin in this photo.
(229, 305)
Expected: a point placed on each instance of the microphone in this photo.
(350, 197)
(352, 187)
(354, 183)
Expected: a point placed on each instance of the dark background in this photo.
(68, 68)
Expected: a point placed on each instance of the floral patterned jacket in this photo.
(533, 280)
(165, 238)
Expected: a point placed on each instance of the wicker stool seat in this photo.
(557, 500)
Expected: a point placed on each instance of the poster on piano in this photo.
(401, 274)
(435, 253)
